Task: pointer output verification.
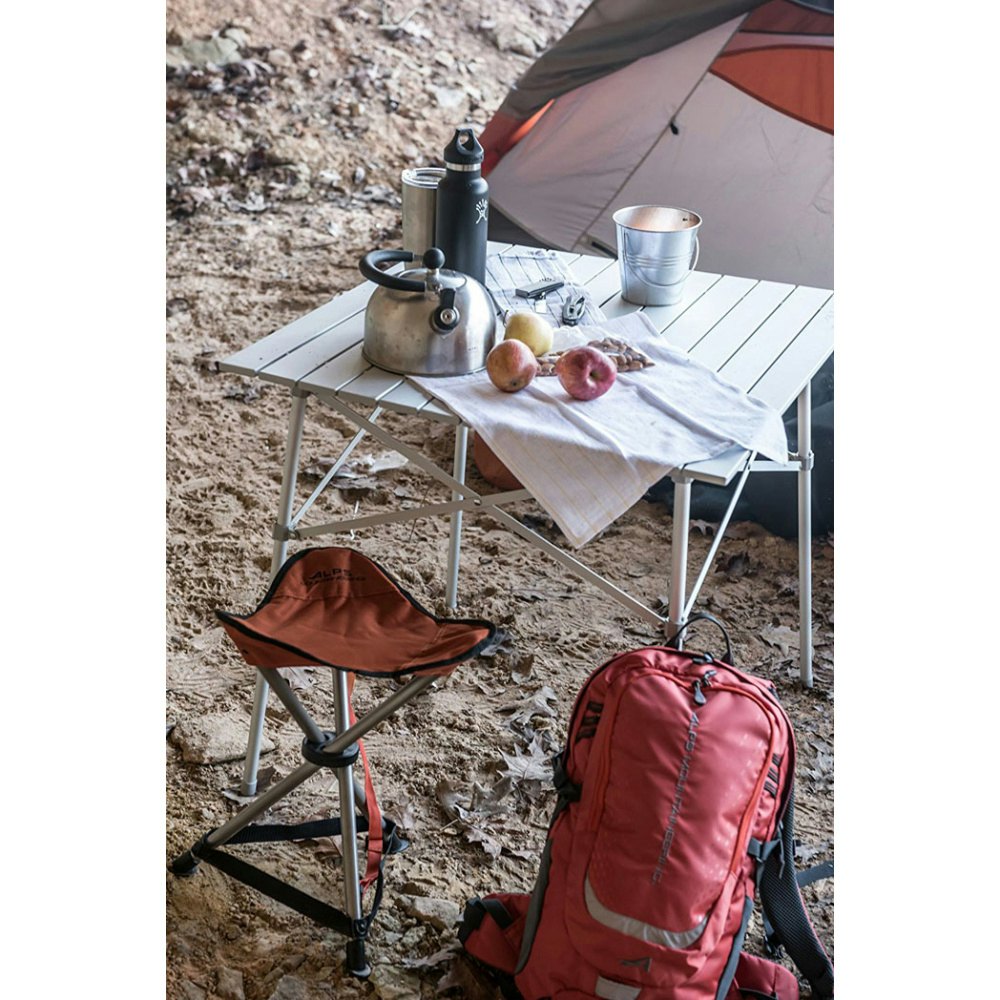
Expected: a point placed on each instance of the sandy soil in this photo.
(282, 169)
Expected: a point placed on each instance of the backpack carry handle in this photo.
(705, 616)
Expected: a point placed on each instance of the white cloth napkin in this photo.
(587, 462)
(506, 272)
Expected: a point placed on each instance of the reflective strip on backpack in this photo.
(636, 928)
(608, 989)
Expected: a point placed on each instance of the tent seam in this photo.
(670, 123)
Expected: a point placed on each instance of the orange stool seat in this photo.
(335, 607)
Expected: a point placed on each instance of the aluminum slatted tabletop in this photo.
(766, 337)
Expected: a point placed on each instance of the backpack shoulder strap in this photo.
(814, 874)
(567, 793)
(785, 912)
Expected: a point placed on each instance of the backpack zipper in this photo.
(705, 681)
(699, 686)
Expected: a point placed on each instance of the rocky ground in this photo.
(287, 127)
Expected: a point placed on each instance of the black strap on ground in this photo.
(786, 914)
(314, 909)
(264, 833)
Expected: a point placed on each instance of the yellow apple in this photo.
(530, 329)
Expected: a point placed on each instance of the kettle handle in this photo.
(368, 265)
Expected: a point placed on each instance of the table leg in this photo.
(805, 457)
(679, 556)
(455, 539)
(286, 500)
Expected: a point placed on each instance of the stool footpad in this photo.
(187, 863)
(357, 963)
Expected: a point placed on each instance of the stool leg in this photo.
(293, 443)
(357, 964)
(455, 538)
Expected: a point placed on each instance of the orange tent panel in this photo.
(796, 80)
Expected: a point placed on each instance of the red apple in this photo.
(511, 365)
(586, 373)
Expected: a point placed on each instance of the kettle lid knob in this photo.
(433, 259)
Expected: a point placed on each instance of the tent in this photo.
(721, 106)
(724, 107)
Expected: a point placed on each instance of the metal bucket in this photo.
(657, 250)
(419, 203)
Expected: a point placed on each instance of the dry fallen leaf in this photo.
(479, 835)
(534, 765)
(403, 811)
(521, 670)
(486, 800)
(736, 565)
(502, 642)
(299, 678)
(453, 800)
(781, 637)
(246, 394)
(472, 983)
(378, 462)
(444, 955)
(536, 703)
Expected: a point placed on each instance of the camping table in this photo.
(767, 337)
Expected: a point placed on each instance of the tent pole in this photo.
(805, 457)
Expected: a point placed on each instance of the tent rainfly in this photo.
(724, 107)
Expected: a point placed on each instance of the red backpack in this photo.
(674, 812)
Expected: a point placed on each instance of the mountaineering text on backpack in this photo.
(674, 812)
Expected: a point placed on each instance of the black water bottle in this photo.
(463, 204)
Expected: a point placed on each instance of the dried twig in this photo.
(390, 27)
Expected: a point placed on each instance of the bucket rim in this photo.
(671, 208)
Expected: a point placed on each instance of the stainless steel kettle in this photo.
(432, 322)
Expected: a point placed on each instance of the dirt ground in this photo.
(283, 167)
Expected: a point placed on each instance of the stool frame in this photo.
(337, 750)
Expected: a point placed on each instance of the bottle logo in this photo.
(481, 208)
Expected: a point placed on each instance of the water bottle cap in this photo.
(464, 149)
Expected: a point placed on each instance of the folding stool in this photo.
(334, 607)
